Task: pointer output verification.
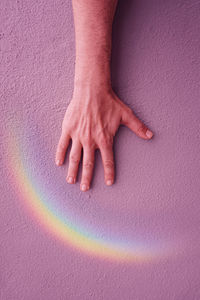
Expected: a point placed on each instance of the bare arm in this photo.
(95, 112)
(93, 28)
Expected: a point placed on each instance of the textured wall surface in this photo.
(138, 239)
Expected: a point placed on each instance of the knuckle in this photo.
(141, 128)
(88, 164)
(87, 141)
(68, 125)
(109, 164)
(90, 143)
(61, 146)
(106, 141)
(127, 114)
(64, 125)
(129, 110)
(74, 159)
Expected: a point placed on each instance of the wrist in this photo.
(92, 73)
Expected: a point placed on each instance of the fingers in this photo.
(87, 168)
(133, 123)
(62, 148)
(108, 163)
(74, 159)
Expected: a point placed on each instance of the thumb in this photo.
(132, 122)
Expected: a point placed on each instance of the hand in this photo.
(91, 121)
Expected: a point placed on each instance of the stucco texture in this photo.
(139, 238)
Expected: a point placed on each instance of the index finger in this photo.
(62, 148)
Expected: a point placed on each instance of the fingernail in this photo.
(84, 187)
(149, 134)
(109, 182)
(57, 162)
(70, 179)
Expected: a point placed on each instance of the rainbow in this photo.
(63, 229)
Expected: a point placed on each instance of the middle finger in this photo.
(74, 159)
(88, 166)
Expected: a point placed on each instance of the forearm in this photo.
(93, 29)
(95, 112)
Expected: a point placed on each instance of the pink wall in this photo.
(138, 239)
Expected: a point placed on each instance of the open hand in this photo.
(91, 120)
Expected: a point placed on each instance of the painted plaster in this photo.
(138, 239)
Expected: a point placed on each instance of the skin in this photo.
(95, 112)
